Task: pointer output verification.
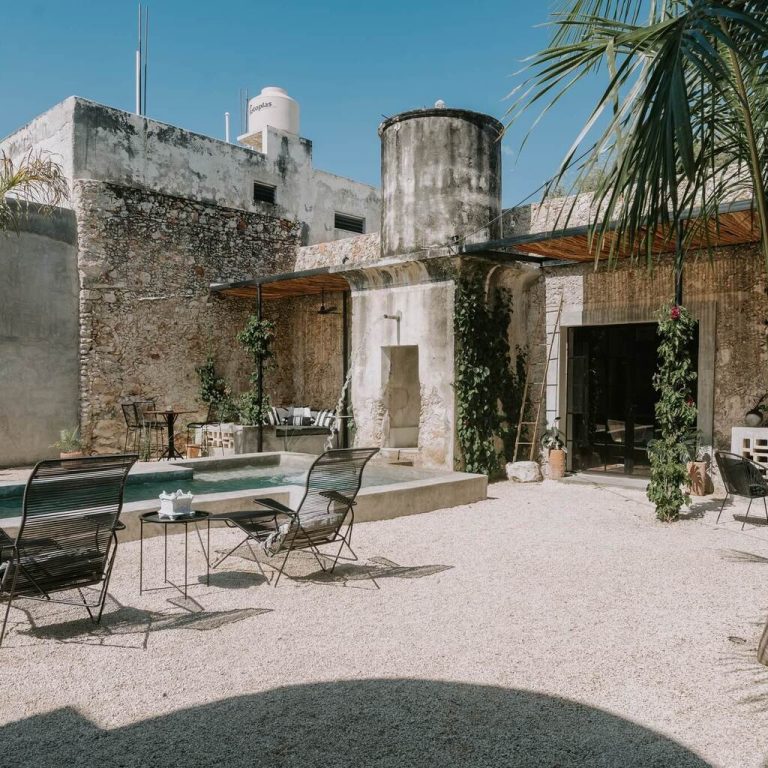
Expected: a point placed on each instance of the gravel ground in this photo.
(551, 625)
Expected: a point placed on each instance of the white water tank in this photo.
(273, 107)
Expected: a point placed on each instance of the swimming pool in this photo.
(232, 476)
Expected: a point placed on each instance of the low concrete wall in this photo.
(38, 336)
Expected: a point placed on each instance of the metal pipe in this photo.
(260, 442)
(138, 69)
(344, 434)
(145, 57)
(226, 127)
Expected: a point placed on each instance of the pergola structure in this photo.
(310, 282)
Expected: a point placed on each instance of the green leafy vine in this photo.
(257, 338)
(675, 412)
(488, 392)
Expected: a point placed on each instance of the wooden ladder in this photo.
(530, 384)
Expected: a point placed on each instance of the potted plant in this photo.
(69, 444)
(553, 441)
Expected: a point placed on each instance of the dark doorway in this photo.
(611, 399)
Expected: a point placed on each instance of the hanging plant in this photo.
(487, 392)
(215, 391)
(675, 412)
(256, 337)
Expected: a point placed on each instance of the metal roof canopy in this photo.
(308, 282)
(736, 225)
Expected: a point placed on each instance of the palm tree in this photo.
(36, 179)
(680, 128)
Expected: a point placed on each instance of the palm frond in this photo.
(36, 179)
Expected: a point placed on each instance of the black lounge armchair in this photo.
(741, 477)
(66, 539)
(324, 516)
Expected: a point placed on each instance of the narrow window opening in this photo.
(349, 223)
(263, 193)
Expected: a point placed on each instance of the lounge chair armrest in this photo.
(119, 526)
(276, 506)
(336, 496)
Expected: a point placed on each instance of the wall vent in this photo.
(263, 193)
(349, 223)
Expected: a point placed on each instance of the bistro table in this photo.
(170, 416)
(154, 518)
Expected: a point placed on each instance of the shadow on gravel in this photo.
(371, 723)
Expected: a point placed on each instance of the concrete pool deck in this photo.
(550, 625)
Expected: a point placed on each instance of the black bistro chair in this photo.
(741, 477)
(324, 516)
(67, 539)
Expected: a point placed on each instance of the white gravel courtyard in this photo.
(551, 625)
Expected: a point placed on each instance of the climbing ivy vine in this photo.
(675, 412)
(256, 337)
(488, 392)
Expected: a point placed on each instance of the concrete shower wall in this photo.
(426, 311)
(38, 336)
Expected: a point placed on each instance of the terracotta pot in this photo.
(556, 464)
(194, 451)
(699, 481)
(71, 454)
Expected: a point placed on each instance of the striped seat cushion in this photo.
(271, 418)
(325, 419)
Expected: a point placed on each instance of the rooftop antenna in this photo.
(141, 61)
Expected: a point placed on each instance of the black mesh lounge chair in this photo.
(324, 516)
(66, 539)
(741, 477)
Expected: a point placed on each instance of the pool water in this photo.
(240, 478)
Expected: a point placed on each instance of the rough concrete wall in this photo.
(52, 132)
(440, 178)
(308, 352)
(351, 250)
(147, 318)
(426, 311)
(731, 286)
(38, 336)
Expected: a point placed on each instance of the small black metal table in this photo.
(170, 417)
(153, 518)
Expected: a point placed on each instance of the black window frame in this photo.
(268, 193)
(351, 222)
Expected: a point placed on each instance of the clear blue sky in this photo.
(346, 62)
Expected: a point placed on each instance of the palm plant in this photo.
(680, 128)
(37, 178)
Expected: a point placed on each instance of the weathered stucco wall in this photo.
(147, 319)
(307, 352)
(423, 299)
(38, 336)
(726, 293)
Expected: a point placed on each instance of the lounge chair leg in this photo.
(765, 506)
(8, 607)
(747, 515)
(721, 509)
(231, 552)
(257, 561)
(280, 569)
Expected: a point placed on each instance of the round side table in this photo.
(153, 518)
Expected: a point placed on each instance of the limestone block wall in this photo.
(347, 251)
(145, 264)
(727, 294)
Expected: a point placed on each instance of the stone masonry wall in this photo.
(146, 315)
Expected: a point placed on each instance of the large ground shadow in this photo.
(378, 723)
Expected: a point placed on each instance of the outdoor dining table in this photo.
(170, 415)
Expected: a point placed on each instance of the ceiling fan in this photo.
(323, 309)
